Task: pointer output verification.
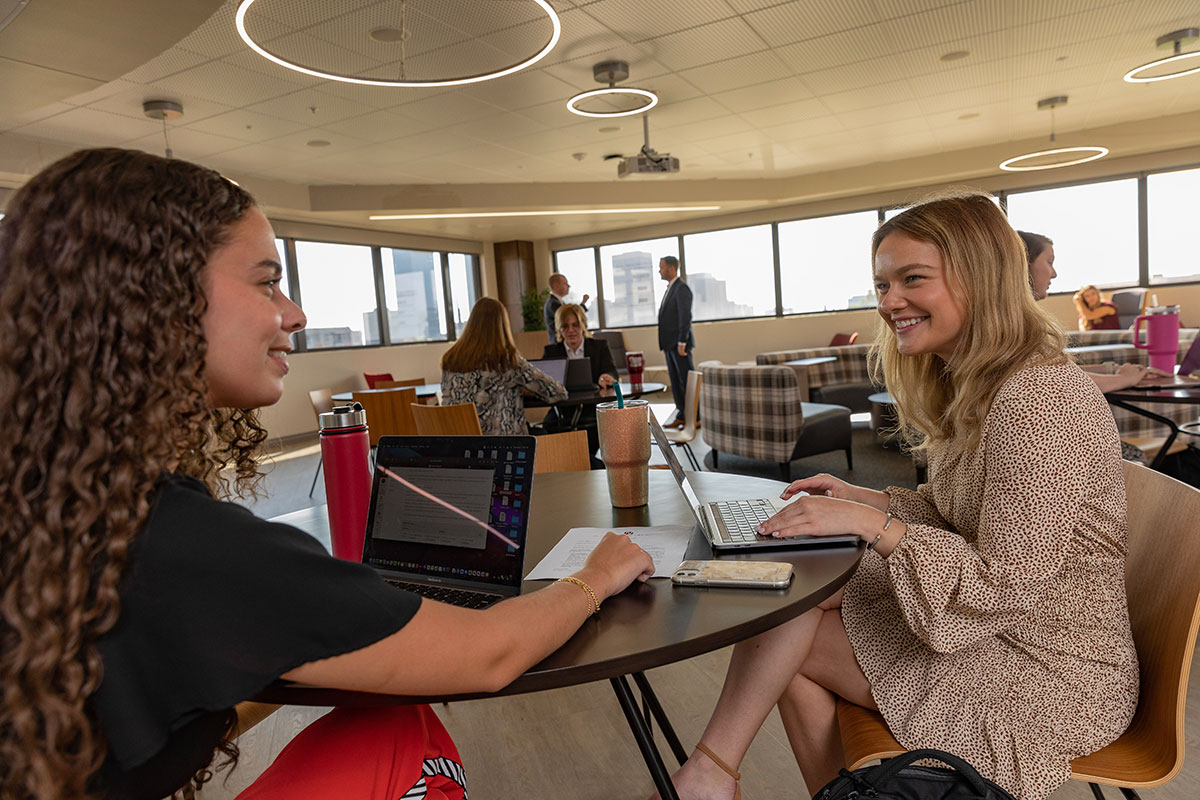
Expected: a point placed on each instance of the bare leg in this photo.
(759, 671)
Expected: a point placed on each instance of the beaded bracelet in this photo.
(593, 600)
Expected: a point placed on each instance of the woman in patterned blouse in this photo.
(483, 367)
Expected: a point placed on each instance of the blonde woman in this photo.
(987, 616)
(483, 367)
(1094, 313)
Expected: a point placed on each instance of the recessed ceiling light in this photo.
(318, 143)
(955, 55)
(556, 23)
(569, 212)
(969, 115)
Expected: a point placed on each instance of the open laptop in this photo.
(423, 547)
(573, 373)
(729, 524)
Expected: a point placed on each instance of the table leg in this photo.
(649, 698)
(645, 742)
(1170, 423)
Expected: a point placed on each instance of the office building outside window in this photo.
(464, 287)
(731, 273)
(632, 287)
(414, 294)
(1171, 200)
(339, 294)
(1094, 228)
(825, 263)
(579, 267)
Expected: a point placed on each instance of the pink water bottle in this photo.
(1162, 336)
(344, 451)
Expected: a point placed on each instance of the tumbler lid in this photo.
(350, 416)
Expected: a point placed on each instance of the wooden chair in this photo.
(322, 402)
(562, 452)
(389, 413)
(390, 384)
(1162, 580)
(842, 339)
(373, 378)
(454, 420)
(691, 406)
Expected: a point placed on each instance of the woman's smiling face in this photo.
(915, 298)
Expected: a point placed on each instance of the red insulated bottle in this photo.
(344, 453)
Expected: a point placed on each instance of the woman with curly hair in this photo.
(987, 616)
(141, 325)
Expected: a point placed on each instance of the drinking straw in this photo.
(620, 399)
(443, 503)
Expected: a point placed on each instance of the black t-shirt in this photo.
(215, 605)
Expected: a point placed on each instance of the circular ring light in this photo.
(650, 97)
(1013, 164)
(1133, 77)
(240, 21)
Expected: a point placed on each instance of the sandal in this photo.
(730, 771)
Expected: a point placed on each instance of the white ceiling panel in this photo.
(764, 95)
(381, 126)
(128, 103)
(847, 47)
(310, 107)
(876, 95)
(637, 20)
(795, 22)
(244, 126)
(98, 128)
(718, 126)
(735, 73)
(798, 111)
(226, 83)
(174, 60)
(190, 145)
(947, 25)
(521, 90)
(716, 41)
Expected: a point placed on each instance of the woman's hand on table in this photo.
(828, 486)
(615, 563)
(606, 381)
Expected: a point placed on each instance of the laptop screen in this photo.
(554, 367)
(488, 477)
(664, 445)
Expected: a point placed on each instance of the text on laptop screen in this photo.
(492, 483)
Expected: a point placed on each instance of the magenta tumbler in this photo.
(344, 453)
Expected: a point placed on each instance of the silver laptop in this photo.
(729, 524)
(421, 546)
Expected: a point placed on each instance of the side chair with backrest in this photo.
(684, 436)
(616, 346)
(1130, 304)
(373, 378)
(460, 419)
(842, 339)
(1162, 581)
(322, 402)
(562, 452)
(756, 412)
(389, 412)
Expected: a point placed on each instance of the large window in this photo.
(579, 268)
(338, 283)
(731, 273)
(414, 294)
(464, 287)
(1094, 228)
(281, 248)
(632, 287)
(1171, 210)
(825, 263)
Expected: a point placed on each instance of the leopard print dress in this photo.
(998, 627)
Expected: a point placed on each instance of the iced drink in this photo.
(625, 451)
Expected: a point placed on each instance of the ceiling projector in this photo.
(647, 162)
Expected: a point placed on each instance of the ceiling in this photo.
(757, 97)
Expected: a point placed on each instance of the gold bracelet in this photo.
(887, 523)
(593, 600)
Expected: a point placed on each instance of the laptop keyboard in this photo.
(736, 518)
(447, 594)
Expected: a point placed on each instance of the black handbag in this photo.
(899, 779)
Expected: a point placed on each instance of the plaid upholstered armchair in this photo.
(756, 412)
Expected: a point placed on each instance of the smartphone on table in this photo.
(747, 574)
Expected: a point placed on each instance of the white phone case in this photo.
(748, 574)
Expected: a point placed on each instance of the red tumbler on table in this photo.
(636, 362)
(345, 448)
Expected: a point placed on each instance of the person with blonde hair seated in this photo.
(1095, 314)
(575, 341)
(987, 616)
(483, 367)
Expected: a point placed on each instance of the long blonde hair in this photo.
(570, 310)
(486, 343)
(1003, 329)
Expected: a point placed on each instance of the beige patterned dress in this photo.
(998, 628)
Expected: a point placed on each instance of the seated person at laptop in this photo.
(987, 616)
(143, 325)
(483, 367)
(576, 342)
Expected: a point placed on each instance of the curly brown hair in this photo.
(102, 256)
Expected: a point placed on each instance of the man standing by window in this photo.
(675, 332)
(559, 287)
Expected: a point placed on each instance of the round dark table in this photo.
(648, 624)
(592, 396)
(1129, 399)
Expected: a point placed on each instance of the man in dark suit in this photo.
(576, 343)
(558, 294)
(675, 332)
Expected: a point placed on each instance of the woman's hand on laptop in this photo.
(614, 564)
(821, 515)
(829, 486)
